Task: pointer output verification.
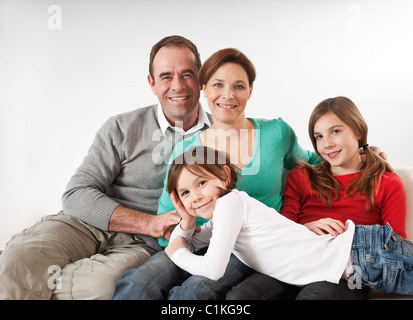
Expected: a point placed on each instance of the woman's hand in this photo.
(175, 245)
(188, 220)
(326, 226)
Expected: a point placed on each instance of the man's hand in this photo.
(158, 224)
(175, 245)
(137, 222)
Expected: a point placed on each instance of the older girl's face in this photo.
(337, 144)
(228, 91)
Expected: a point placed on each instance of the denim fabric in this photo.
(159, 279)
(382, 259)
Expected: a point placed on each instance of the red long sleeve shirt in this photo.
(302, 204)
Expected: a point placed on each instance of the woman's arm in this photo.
(295, 152)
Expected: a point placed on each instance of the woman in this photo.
(260, 148)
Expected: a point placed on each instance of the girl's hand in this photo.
(326, 226)
(175, 245)
(188, 220)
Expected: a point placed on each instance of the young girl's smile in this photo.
(337, 144)
(199, 194)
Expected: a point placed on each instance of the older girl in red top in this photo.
(323, 196)
(342, 186)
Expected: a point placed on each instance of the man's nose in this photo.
(177, 83)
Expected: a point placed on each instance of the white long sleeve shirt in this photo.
(264, 240)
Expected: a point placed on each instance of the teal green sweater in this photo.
(276, 148)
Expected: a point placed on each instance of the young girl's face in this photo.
(198, 194)
(337, 144)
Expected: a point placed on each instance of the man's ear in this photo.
(152, 84)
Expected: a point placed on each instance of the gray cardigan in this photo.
(125, 165)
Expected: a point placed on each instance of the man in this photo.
(109, 222)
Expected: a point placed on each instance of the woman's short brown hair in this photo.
(214, 62)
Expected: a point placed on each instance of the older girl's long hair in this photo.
(373, 167)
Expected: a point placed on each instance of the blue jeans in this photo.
(159, 279)
(382, 259)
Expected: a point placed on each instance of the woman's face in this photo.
(228, 91)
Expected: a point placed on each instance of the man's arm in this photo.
(137, 222)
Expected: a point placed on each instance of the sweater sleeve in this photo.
(393, 209)
(227, 223)
(85, 196)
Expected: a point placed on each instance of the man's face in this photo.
(176, 85)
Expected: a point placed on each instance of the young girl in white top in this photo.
(202, 184)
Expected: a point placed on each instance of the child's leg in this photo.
(383, 259)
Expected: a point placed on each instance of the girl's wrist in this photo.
(188, 224)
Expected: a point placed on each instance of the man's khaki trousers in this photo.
(61, 257)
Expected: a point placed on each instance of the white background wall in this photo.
(58, 85)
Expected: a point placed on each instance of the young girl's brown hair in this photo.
(373, 167)
(204, 162)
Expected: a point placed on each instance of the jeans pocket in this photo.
(375, 271)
